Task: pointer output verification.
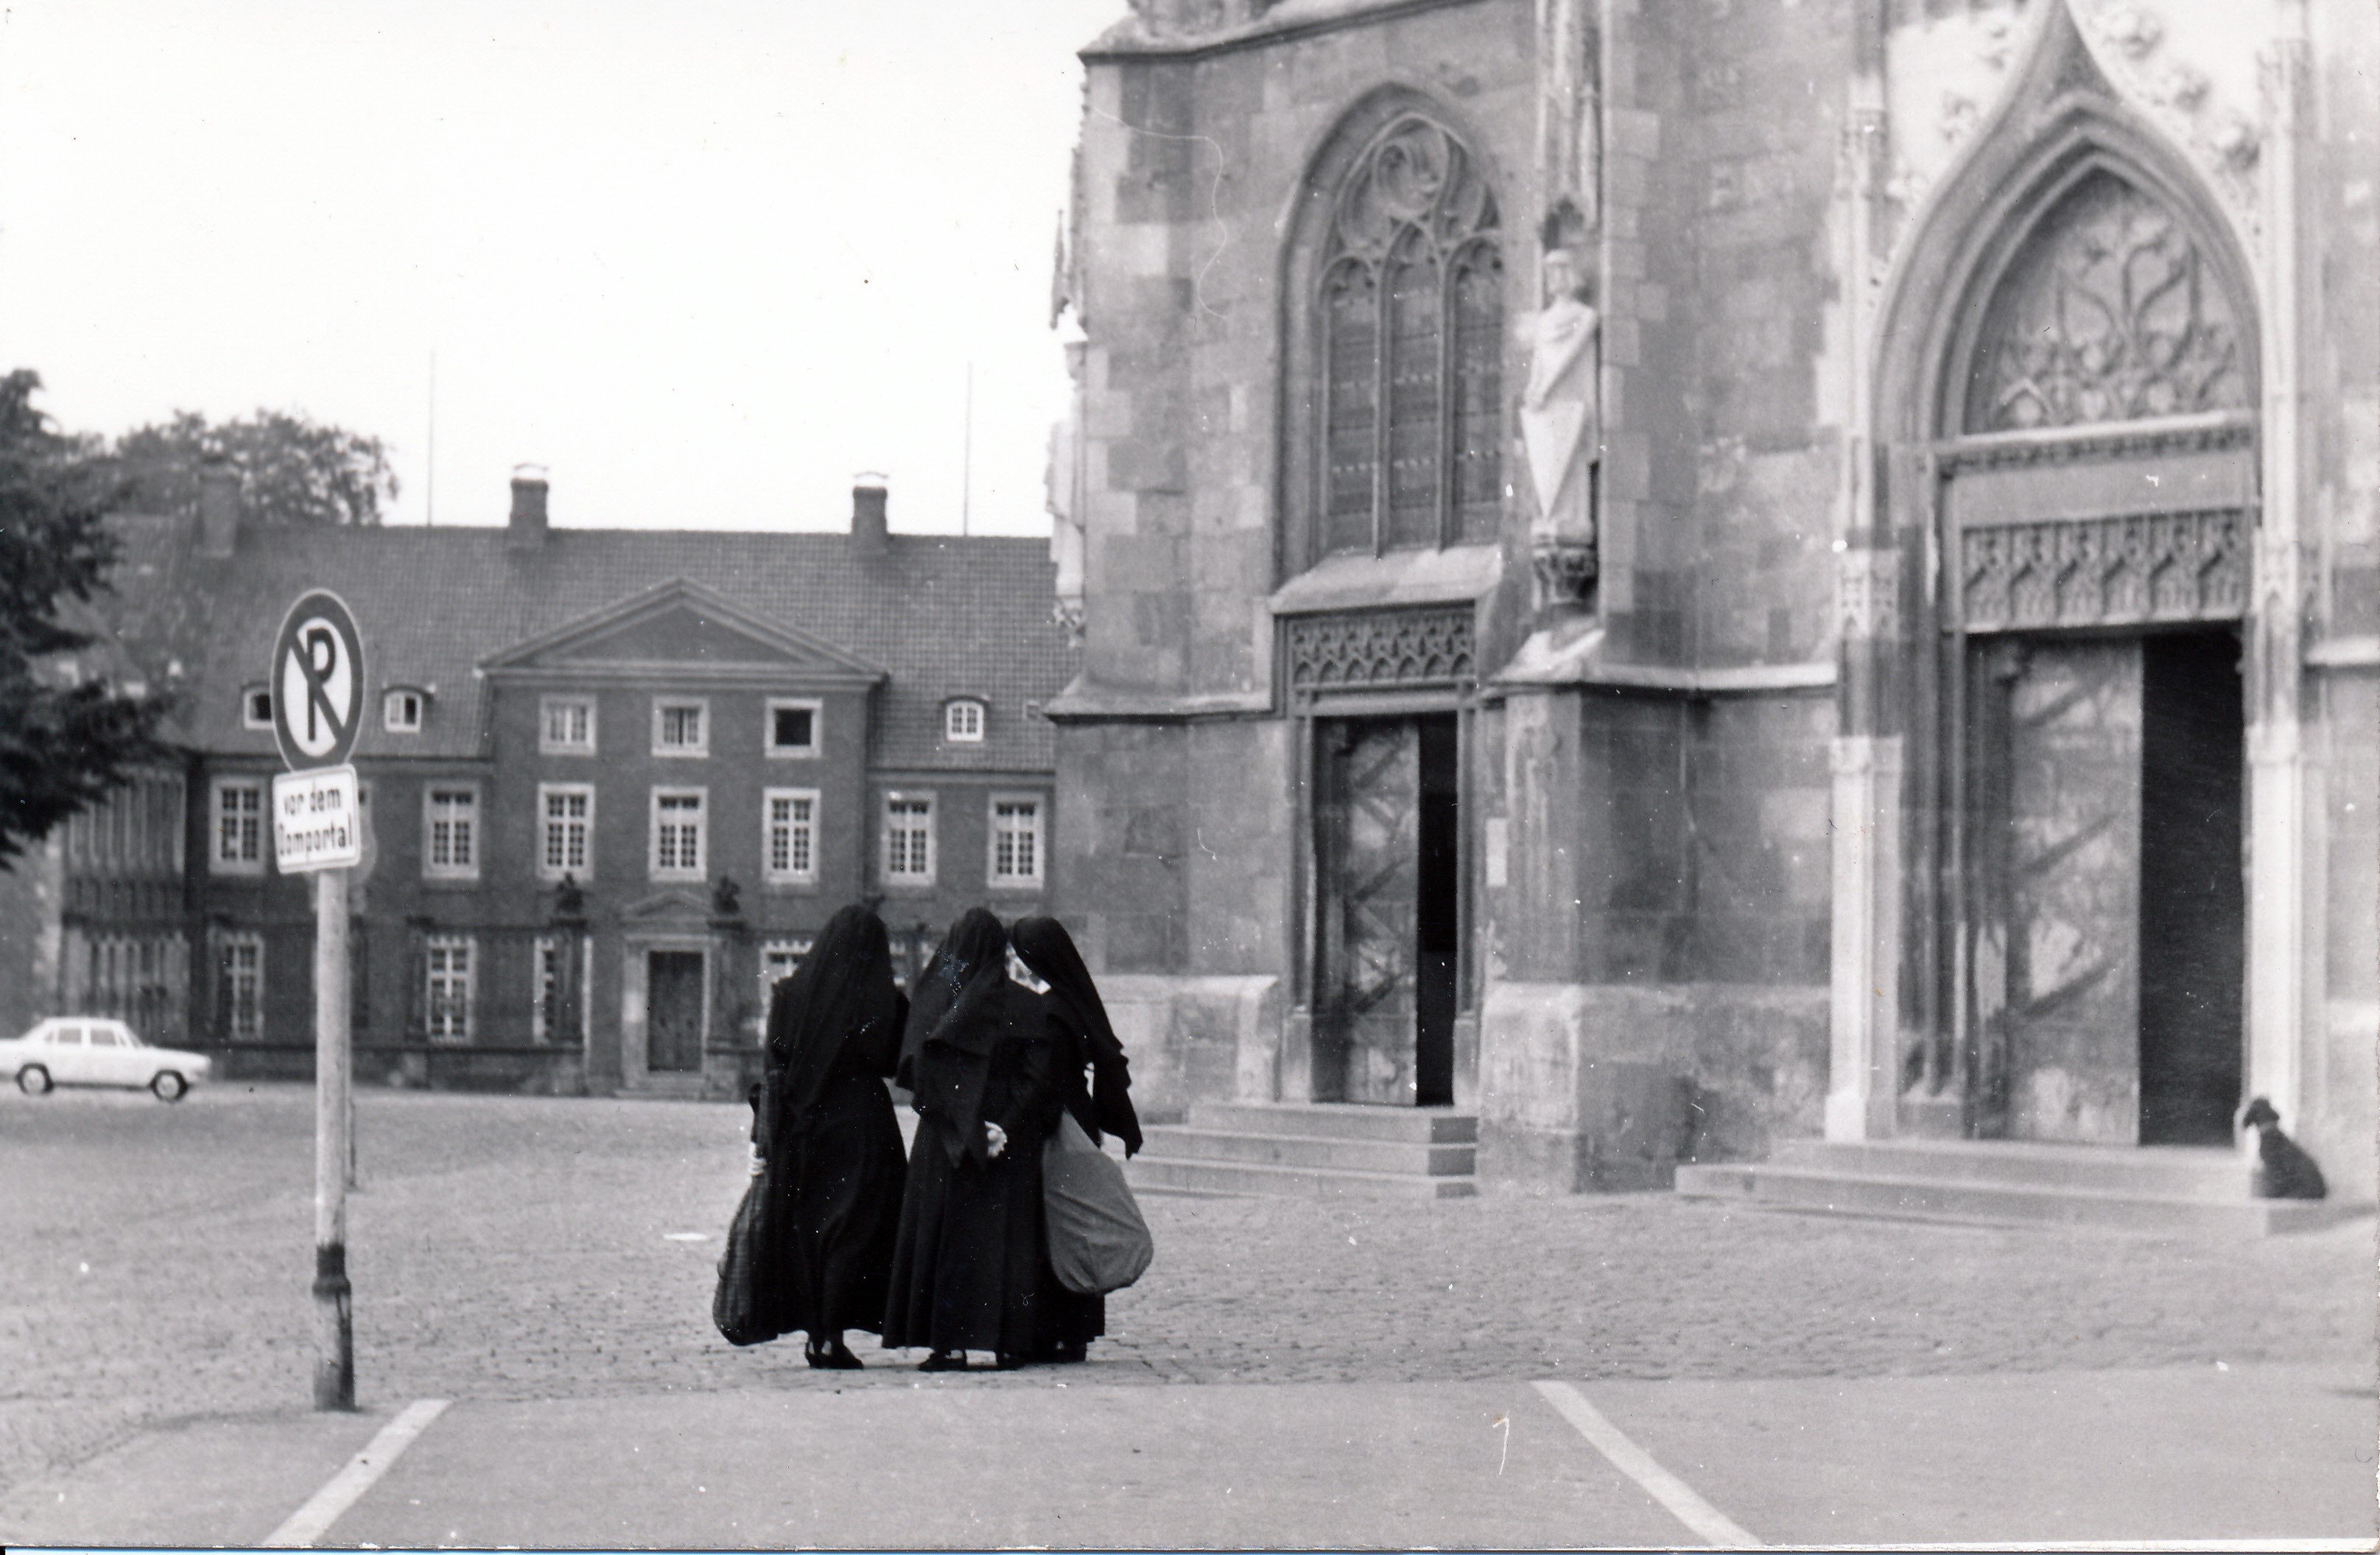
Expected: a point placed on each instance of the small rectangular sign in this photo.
(317, 824)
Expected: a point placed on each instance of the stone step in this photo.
(1339, 1120)
(1174, 1143)
(1242, 1179)
(2157, 1170)
(2003, 1203)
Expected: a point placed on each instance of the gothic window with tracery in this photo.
(1410, 315)
(2109, 315)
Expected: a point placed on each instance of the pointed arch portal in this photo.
(2072, 441)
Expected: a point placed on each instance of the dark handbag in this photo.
(1098, 1241)
(741, 1305)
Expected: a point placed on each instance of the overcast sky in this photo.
(704, 259)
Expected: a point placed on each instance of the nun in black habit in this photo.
(1081, 1039)
(971, 1263)
(830, 1145)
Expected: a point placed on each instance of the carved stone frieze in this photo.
(2111, 315)
(2104, 572)
(2116, 440)
(1379, 650)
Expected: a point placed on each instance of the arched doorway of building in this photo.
(2097, 510)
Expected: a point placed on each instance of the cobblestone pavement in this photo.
(157, 1261)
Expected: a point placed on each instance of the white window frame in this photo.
(251, 1029)
(396, 703)
(662, 706)
(992, 875)
(964, 719)
(777, 959)
(546, 744)
(885, 825)
(805, 827)
(474, 833)
(546, 794)
(769, 745)
(247, 696)
(700, 869)
(434, 976)
(245, 862)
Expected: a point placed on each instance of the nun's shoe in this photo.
(1002, 1361)
(833, 1357)
(1068, 1354)
(944, 1360)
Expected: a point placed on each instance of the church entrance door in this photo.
(1385, 954)
(2108, 927)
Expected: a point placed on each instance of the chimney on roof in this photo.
(868, 525)
(218, 506)
(527, 530)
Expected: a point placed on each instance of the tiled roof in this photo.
(947, 617)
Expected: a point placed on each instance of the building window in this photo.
(963, 721)
(909, 839)
(239, 827)
(1407, 321)
(567, 822)
(681, 728)
(778, 960)
(400, 712)
(677, 834)
(256, 707)
(565, 725)
(449, 850)
(1015, 841)
(446, 996)
(243, 986)
(790, 840)
(792, 727)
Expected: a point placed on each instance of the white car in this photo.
(88, 1051)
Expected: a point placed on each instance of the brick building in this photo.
(1933, 696)
(614, 781)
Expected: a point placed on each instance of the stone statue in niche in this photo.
(1562, 421)
(726, 897)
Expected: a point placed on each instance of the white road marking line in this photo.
(1705, 1519)
(311, 1522)
(2286, 1546)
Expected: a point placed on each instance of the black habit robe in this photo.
(971, 1262)
(833, 1163)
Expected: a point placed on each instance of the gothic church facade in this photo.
(1687, 576)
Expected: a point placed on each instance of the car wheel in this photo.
(33, 1080)
(169, 1085)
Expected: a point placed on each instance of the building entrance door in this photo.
(2106, 928)
(1385, 952)
(674, 1011)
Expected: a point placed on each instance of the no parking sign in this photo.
(318, 696)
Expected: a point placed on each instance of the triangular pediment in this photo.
(682, 627)
(670, 907)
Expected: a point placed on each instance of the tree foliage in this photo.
(293, 471)
(64, 740)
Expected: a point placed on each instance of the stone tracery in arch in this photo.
(2108, 314)
(1409, 308)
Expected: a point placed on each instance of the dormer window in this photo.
(400, 711)
(792, 727)
(256, 707)
(963, 721)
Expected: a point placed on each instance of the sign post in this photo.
(318, 696)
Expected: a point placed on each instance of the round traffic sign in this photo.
(318, 682)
